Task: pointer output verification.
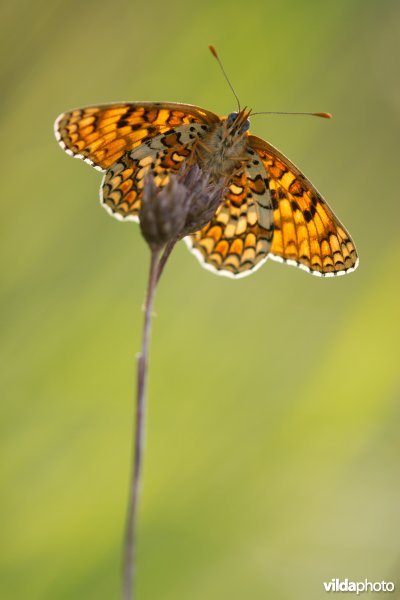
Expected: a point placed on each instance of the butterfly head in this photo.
(237, 123)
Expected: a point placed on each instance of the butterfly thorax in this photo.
(221, 151)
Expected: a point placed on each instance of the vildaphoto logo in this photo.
(358, 587)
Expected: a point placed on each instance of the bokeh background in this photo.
(273, 426)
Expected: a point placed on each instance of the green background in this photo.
(272, 446)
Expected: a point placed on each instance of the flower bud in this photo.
(205, 197)
(163, 211)
(183, 206)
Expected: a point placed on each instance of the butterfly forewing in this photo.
(306, 232)
(100, 135)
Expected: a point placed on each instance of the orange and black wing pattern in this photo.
(306, 232)
(123, 183)
(237, 240)
(100, 135)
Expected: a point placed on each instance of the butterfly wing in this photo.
(100, 135)
(306, 232)
(237, 240)
(123, 183)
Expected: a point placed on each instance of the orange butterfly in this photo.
(270, 208)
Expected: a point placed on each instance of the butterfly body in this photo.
(223, 148)
(270, 208)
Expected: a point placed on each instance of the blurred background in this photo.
(272, 445)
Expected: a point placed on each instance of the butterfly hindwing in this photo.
(237, 240)
(306, 232)
(122, 186)
(100, 135)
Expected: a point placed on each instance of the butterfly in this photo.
(270, 210)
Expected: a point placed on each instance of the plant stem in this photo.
(165, 255)
(129, 558)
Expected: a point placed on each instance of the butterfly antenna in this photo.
(215, 55)
(324, 115)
